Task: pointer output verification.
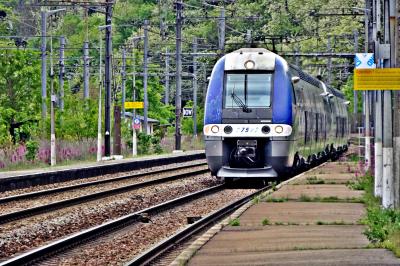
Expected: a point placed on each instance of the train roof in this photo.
(264, 52)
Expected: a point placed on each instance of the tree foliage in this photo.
(278, 25)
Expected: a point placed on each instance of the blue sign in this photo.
(136, 121)
(364, 61)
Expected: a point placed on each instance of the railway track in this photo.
(93, 238)
(29, 212)
(155, 254)
(31, 230)
(41, 253)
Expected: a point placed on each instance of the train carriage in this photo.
(265, 118)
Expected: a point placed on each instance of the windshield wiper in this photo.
(239, 103)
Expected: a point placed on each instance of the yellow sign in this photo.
(134, 105)
(377, 79)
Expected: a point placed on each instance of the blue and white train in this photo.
(265, 118)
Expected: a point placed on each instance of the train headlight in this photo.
(265, 129)
(215, 129)
(279, 129)
(249, 64)
(228, 129)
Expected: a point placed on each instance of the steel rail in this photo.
(5, 218)
(92, 183)
(159, 249)
(57, 246)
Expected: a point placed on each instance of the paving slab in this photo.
(294, 235)
(302, 213)
(296, 192)
(340, 257)
(325, 178)
(340, 167)
(278, 238)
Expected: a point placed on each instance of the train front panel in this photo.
(248, 116)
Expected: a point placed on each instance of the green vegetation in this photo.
(256, 199)
(313, 180)
(294, 24)
(333, 223)
(272, 199)
(265, 221)
(354, 157)
(383, 225)
(305, 198)
(234, 222)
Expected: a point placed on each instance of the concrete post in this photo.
(387, 192)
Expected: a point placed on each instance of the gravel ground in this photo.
(122, 246)
(14, 206)
(34, 231)
(96, 178)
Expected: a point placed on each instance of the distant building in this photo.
(150, 122)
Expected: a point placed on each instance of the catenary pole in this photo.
(178, 99)
(329, 47)
(366, 97)
(387, 190)
(393, 52)
(53, 102)
(123, 74)
(166, 97)
(378, 109)
(86, 70)
(44, 63)
(61, 73)
(107, 80)
(221, 31)
(99, 136)
(194, 88)
(134, 140)
(145, 77)
(355, 94)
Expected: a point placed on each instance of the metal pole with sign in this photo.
(365, 61)
(135, 122)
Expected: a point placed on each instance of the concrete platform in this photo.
(325, 179)
(302, 213)
(233, 239)
(339, 257)
(305, 230)
(297, 192)
(25, 178)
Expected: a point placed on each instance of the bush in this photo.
(381, 223)
(234, 222)
(32, 148)
(144, 143)
(148, 144)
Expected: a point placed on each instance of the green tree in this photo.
(19, 94)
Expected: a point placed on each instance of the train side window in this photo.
(305, 127)
(316, 126)
(294, 95)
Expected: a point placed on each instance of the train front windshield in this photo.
(248, 90)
